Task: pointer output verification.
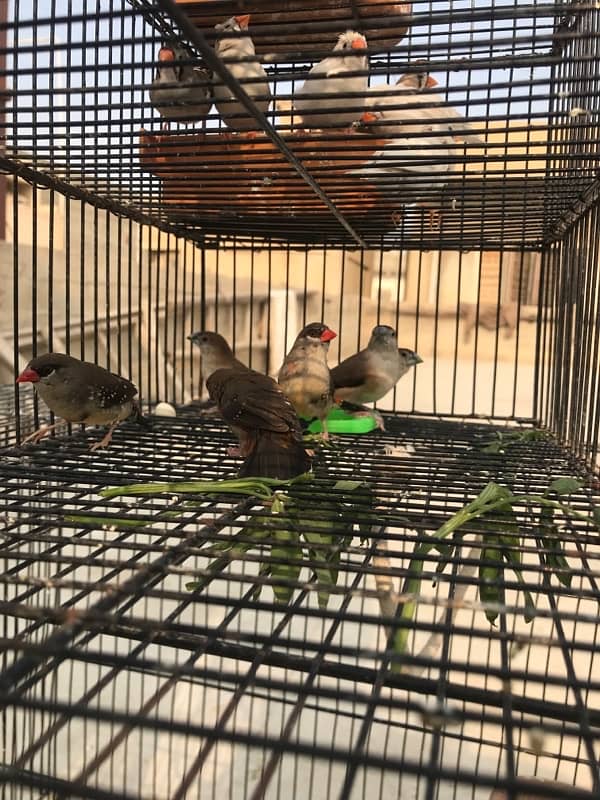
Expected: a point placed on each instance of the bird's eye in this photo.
(46, 372)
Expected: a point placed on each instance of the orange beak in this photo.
(328, 335)
(166, 54)
(430, 82)
(368, 118)
(243, 20)
(359, 43)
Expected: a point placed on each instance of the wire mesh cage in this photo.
(417, 617)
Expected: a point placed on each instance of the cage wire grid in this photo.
(520, 72)
(117, 680)
(132, 683)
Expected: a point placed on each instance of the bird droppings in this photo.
(399, 450)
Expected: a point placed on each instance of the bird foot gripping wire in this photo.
(38, 435)
(106, 439)
(371, 412)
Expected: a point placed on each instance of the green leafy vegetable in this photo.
(490, 581)
(284, 551)
(304, 520)
(504, 440)
(564, 486)
(99, 521)
(501, 536)
(257, 487)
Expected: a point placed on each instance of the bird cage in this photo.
(419, 616)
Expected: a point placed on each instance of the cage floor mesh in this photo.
(121, 682)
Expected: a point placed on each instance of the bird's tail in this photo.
(276, 456)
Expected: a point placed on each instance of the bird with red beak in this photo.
(304, 375)
(79, 391)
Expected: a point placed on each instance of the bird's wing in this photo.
(340, 69)
(455, 120)
(255, 402)
(108, 389)
(323, 67)
(351, 372)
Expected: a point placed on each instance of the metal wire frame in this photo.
(100, 636)
(568, 375)
(79, 84)
(115, 290)
(121, 293)
(569, 344)
(129, 685)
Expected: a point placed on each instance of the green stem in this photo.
(193, 487)
(261, 487)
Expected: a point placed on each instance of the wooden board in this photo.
(384, 24)
(225, 171)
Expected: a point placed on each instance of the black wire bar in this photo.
(569, 349)
(118, 681)
(167, 646)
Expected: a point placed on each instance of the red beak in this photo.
(430, 82)
(28, 376)
(359, 43)
(328, 335)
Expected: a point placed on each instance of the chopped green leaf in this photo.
(514, 559)
(490, 582)
(564, 486)
(283, 551)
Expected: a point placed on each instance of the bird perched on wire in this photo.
(79, 391)
(434, 107)
(390, 114)
(216, 352)
(181, 91)
(248, 71)
(332, 81)
(415, 164)
(263, 419)
(370, 374)
(424, 130)
(305, 377)
(411, 108)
